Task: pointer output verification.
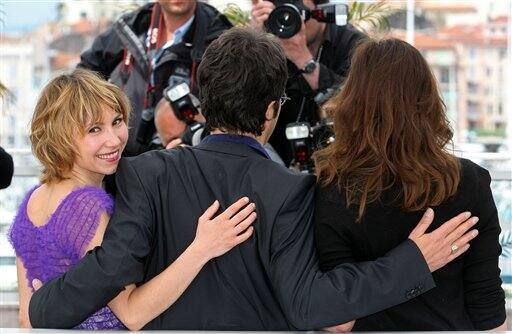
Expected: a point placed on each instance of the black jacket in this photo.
(270, 282)
(468, 295)
(6, 169)
(337, 47)
(106, 55)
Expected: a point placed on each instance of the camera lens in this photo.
(285, 21)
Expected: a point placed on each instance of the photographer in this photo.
(146, 47)
(318, 61)
(170, 127)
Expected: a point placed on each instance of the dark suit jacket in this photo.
(271, 282)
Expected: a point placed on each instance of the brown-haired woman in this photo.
(387, 165)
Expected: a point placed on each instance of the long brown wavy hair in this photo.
(391, 131)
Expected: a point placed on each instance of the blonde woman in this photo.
(78, 133)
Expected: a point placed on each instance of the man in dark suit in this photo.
(270, 282)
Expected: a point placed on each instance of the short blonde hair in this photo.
(67, 105)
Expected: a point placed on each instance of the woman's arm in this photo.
(24, 294)
(136, 306)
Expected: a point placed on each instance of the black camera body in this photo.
(306, 139)
(181, 102)
(286, 19)
(194, 133)
(185, 107)
(179, 96)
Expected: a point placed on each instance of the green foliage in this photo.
(236, 15)
(491, 133)
(3, 89)
(369, 16)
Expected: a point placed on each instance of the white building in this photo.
(71, 11)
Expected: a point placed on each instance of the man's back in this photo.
(271, 281)
(232, 292)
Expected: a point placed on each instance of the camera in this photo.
(181, 102)
(146, 127)
(286, 19)
(185, 106)
(306, 139)
(194, 133)
(178, 94)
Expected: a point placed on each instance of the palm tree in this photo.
(369, 17)
(236, 15)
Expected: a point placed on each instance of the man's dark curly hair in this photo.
(241, 73)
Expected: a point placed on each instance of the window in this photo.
(472, 53)
(444, 74)
(472, 87)
(472, 109)
(472, 73)
(503, 53)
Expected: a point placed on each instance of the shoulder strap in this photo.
(133, 44)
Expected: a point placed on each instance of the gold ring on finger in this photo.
(454, 248)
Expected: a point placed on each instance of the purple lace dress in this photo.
(50, 250)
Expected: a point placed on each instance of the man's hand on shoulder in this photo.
(447, 242)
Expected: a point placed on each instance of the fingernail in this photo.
(475, 233)
(246, 199)
(253, 205)
(429, 212)
(474, 220)
(467, 214)
(216, 202)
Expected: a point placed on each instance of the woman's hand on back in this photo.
(216, 236)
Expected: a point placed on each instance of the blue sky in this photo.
(23, 15)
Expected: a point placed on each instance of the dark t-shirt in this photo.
(468, 295)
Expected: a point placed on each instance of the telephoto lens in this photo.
(286, 19)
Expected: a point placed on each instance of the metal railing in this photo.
(27, 172)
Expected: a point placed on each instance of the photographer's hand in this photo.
(261, 9)
(297, 51)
